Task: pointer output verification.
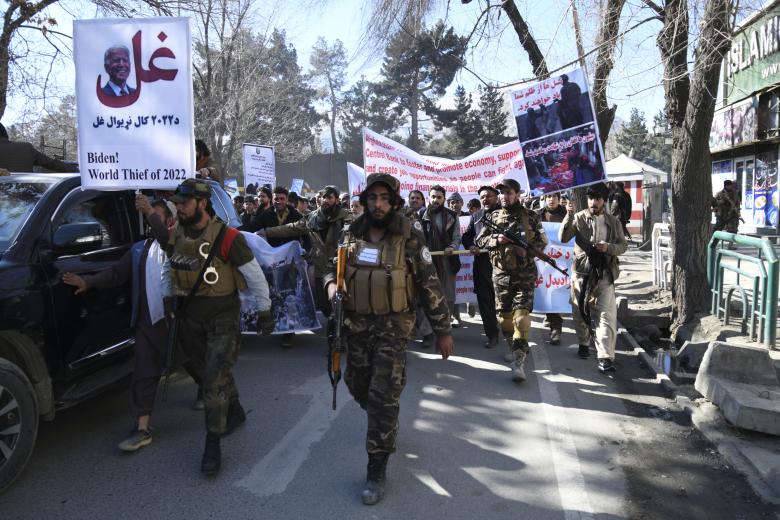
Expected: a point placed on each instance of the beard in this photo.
(194, 219)
(381, 223)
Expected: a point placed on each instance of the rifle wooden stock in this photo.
(336, 321)
(457, 252)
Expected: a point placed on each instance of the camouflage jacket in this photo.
(315, 225)
(724, 205)
(503, 256)
(428, 290)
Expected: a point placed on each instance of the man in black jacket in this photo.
(18, 156)
(279, 214)
(483, 270)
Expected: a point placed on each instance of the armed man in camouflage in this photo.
(208, 263)
(388, 269)
(323, 228)
(725, 205)
(514, 271)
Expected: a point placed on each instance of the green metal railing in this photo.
(761, 297)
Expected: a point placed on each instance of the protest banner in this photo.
(134, 103)
(356, 178)
(488, 166)
(557, 133)
(291, 297)
(259, 167)
(297, 186)
(552, 288)
(464, 280)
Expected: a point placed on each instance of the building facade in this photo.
(745, 132)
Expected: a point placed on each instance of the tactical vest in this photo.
(378, 277)
(187, 260)
(504, 256)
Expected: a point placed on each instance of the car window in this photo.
(102, 210)
(17, 200)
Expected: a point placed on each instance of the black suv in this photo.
(58, 349)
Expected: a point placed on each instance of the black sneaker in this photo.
(606, 365)
(584, 352)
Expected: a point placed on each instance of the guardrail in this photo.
(761, 292)
(662, 256)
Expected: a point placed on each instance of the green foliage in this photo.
(417, 70)
(492, 117)
(329, 72)
(636, 141)
(364, 105)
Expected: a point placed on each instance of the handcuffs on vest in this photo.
(211, 276)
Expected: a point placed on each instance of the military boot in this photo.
(519, 354)
(236, 416)
(375, 478)
(212, 456)
(508, 356)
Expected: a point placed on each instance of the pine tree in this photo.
(364, 106)
(329, 69)
(492, 117)
(417, 70)
(633, 139)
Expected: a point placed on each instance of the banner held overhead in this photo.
(134, 102)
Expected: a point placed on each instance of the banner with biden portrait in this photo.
(134, 102)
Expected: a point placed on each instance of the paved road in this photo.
(570, 443)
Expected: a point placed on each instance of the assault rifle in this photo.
(336, 341)
(519, 241)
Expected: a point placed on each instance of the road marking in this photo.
(278, 468)
(426, 478)
(568, 472)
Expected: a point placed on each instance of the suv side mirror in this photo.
(77, 238)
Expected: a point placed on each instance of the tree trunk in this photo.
(528, 42)
(5, 57)
(414, 105)
(690, 104)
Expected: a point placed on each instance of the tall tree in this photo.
(659, 149)
(417, 69)
(633, 139)
(689, 91)
(364, 106)
(492, 116)
(329, 69)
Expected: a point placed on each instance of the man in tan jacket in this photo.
(599, 240)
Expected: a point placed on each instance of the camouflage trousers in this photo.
(514, 303)
(376, 376)
(212, 348)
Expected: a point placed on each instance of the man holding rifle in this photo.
(514, 269)
(388, 268)
(599, 239)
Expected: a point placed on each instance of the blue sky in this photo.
(635, 81)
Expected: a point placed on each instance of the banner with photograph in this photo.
(558, 134)
(488, 166)
(134, 103)
(552, 292)
(291, 297)
(259, 167)
(464, 280)
(356, 178)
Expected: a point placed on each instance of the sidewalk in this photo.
(755, 455)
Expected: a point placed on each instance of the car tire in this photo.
(18, 422)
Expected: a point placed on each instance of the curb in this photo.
(706, 418)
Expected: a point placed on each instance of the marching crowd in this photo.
(401, 264)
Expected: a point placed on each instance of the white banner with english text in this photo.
(134, 102)
(488, 166)
(552, 288)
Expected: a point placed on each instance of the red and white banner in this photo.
(488, 166)
(134, 102)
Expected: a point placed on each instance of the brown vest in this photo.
(378, 277)
(187, 261)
